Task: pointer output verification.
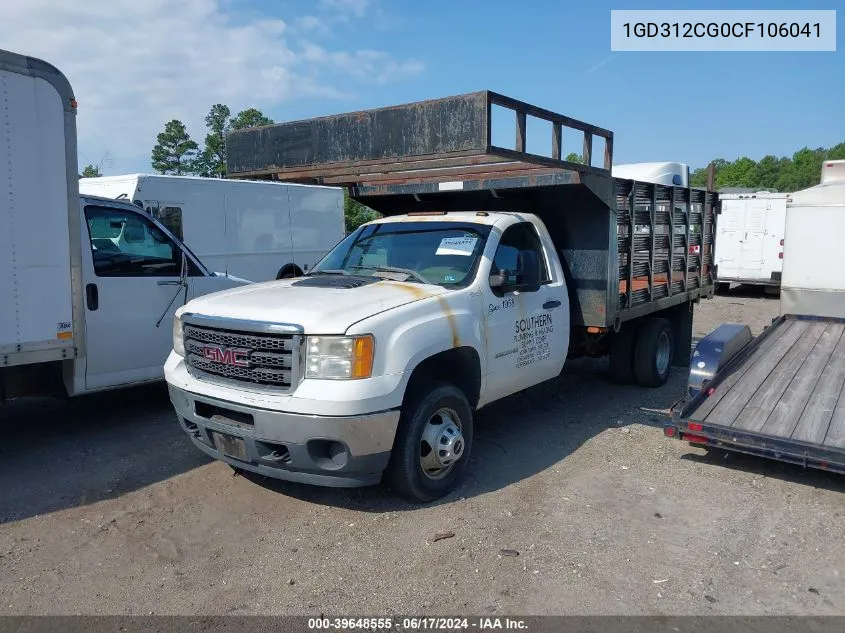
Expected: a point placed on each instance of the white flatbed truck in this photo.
(490, 268)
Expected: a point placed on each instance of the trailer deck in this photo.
(782, 396)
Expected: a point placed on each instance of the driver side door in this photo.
(132, 273)
(527, 329)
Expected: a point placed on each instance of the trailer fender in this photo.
(715, 351)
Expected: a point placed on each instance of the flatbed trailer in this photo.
(779, 395)
(629, 248)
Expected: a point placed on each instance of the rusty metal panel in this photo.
(426, 128)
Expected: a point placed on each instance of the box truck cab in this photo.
(254, 230)
(88, 285)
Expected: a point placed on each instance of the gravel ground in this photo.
(106, 508)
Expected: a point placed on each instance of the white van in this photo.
(88, 285)
(256, 230)
(749, 239)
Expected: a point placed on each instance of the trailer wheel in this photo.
(433, 443)
(622, 354)
(653, 352)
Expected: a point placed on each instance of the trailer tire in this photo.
(653, 352)
(622, 354)
(431, 413)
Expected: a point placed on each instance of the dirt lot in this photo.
(106, 508)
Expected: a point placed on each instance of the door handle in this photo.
(92, 297)
(551, 304)
(169, 282)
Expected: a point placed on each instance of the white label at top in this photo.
(723, 30)
(456, 246)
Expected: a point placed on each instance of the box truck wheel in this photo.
(653, 352)
(432, 444)
(622, 354)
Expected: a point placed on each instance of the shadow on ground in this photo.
(769, 468)
(56, 454)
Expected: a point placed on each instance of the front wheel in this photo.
(433, 444)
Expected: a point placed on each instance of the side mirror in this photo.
(498, 280)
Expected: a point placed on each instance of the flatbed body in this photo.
(629, 248)
(781, 396)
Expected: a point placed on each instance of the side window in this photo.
(126, 244)
(171, 217)
(518, 239)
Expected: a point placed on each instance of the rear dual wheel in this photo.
(642, 352)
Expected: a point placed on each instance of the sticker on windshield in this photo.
(456, 246)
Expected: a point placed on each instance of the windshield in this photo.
(441, 253)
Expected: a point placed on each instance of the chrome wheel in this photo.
(664, 351)
(441, 444)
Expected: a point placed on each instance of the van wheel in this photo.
(433, 444)
(653, 352)
(288, 272)
(622, 354)
(723, 288)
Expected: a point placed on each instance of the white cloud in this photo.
(374, 65)
(135, 65)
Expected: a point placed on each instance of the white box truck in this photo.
(88, 286)
(749, 239)
(255, 230)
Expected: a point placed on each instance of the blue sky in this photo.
(689, 107)
(296, 59)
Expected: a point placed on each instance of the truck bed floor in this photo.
(790, 387)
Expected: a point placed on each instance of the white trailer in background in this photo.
(256, 230)
(88, 286)
(750, 239)
(659, 173)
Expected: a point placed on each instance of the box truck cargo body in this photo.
(749, 238)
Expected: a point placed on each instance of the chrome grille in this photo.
(268, 360)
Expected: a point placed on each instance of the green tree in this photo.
(574, 158)
(212, 160)
(175, 152)
(356, 213)
(249, 118)
(91, 171)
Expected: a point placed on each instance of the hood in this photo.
(321, 305)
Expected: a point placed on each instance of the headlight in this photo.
(339, 357)
(178, 341)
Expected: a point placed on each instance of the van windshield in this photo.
(441, 253)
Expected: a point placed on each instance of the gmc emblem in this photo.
(235, 357)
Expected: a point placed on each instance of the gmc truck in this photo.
(490, 267)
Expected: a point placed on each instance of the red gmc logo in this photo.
(236, 357)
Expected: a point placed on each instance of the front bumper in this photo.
(344, 451)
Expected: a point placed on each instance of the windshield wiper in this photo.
(395, 269)
(328, 271)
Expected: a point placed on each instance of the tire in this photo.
(653, 352)
(288, 273)
(723, 288)
(622, 355)
(405, 472)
